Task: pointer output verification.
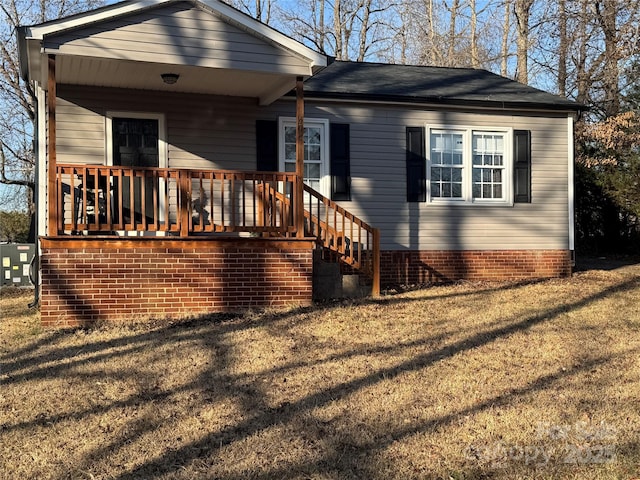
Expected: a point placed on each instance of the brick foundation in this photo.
(437, 266)
(84, 281)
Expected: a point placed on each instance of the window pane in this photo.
(497, 175)
(290, 135)
(476, 190)
(446, 174)
(290, 152)
(436, 173)
(456, 175)
(486, 191)
(312, 170)
(437, 142)
(314, 136)
(446, 190)
(289, 167)
(457, 139)
(497, 191)
(457, 190)
(435, 190)
(314, 152)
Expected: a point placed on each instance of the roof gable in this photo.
(216, 7)
(179, 33)
(215, 48)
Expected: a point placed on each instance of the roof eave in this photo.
(490, 104)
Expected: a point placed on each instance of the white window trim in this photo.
(325, 179)
(162, 150)
(162, 133)
(467, 163)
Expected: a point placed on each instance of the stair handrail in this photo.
(354, 241)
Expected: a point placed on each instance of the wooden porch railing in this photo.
(107, 199)
(344, 235)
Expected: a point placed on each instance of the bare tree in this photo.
(346, 29)
(435, 57)
(563, 47)
(607, 14)
(475, 61)
(17, 99)
(451, 41)
(258, 9)
(522, 10)
(506, 28)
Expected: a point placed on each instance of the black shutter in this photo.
(340, 162)
(416, 165)
(522, 166)
(267, 145)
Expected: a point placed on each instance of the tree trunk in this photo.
(321, 34)
(582, 83)
(432, 34)
(364, 30)
(475, 61)
(606, 13)
(337, 28)
(452, 33)
(522, 10)
(506, 27)
(563, 46)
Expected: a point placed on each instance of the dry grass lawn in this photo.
(491, 380)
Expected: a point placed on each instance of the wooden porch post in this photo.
(52, 194)
(375, 291)
(299, 195)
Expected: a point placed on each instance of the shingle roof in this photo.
(420, 84)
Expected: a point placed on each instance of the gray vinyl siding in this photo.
(378, 187)
(202, 131)
(176, 34)
(219, 132)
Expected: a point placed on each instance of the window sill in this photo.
(466, 203)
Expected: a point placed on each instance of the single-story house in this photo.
(192, 159)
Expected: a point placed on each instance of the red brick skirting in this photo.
(84, 281)
(427, 266)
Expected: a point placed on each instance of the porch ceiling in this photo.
(267, 87)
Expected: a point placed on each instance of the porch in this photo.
(116, 213)
(159, 202)
(133, 241)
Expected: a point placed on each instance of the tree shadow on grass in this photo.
(268, 417)
(344, 457)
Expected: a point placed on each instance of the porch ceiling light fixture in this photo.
(170, 78)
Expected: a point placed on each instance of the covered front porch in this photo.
(148, 242)
(183, 187)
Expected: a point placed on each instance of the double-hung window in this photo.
(468, 165)
(316, 146)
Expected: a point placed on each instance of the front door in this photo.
(316, 151)
(135, 143)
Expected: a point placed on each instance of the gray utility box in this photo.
(16, 260)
